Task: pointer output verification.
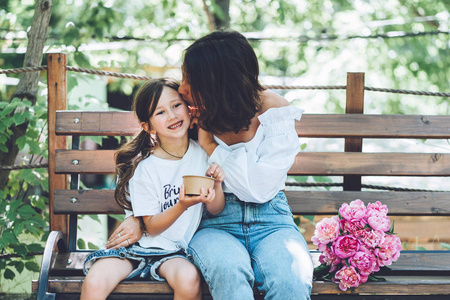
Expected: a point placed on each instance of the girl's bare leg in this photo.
(183, 277)
(104, 275)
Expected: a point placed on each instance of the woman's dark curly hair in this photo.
(222, 71)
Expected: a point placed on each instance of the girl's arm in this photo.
(158, 223)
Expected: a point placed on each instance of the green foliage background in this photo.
(297, 42)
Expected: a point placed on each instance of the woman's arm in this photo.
(130, 232)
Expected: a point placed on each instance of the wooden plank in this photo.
(374, 126)
(395, 285)
(301, 202)
(399, 203)
(86, 202)
(85, 161)
(306, 163)
(105, 123)
(311, 125)
(431, 261)
(57, 92)
(371, 164)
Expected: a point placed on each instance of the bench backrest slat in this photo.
(307, 163)
(301, 202)
(119, 123)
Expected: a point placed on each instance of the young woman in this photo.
(250, 132)
(149, 173)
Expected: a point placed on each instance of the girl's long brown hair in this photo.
(140, 147)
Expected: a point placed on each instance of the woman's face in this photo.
(185, 91)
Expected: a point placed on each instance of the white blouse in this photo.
(256, 171)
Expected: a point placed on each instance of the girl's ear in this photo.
(146, 127)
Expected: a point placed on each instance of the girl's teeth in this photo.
(174, 126)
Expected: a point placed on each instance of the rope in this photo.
(17, 167)
(20, 70)
(106, 73)
(407, 92)
(367, 186)
(298, 87)
(275, 87)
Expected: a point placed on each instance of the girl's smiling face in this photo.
(171, 117)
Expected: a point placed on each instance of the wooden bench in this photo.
(415, 273)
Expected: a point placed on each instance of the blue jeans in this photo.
(251, 244)
(148, 260)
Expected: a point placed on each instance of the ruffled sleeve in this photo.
(255, 173)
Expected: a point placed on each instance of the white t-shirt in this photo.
(154, 188)
(257, 170)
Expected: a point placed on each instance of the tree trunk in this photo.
(28, 83)
(225, 21)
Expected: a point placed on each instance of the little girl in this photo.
(149, 172)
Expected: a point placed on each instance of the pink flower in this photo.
(329, 258)
(345, 246)
(377, 207)
(364, 262)
(371, 238)
(353, 212)
(389, 250)
(379, 221)
(347, 277)
(349, 227)
(327, 230)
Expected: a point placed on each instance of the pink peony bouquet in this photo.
(355, 244)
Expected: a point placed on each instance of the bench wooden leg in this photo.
(55, 239)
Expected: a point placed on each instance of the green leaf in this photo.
(391, 230)
(3, 148)
(26, 211)
(8, 238)
(20, 249)
(35, 247)
(19, 265)
(20, 142)
(9, 274)
(81, 244)
(374, 278)
(94, 217)
(19, 119)
(117, 217)
(445, 245)
(34, 147)
(92, 246)
(321, 270)
(7, 110)
(32, 266)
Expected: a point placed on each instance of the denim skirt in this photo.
(148, 260)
